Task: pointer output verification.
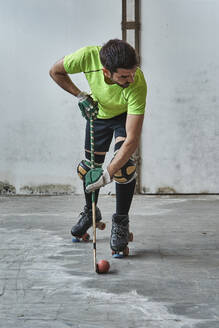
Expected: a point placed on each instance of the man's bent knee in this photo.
(127, 173)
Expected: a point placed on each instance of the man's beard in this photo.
(125, 85)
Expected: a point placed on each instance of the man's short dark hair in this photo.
(118, 54)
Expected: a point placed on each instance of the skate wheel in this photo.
(118, 256)
(126, 251)
(101, 225)
(86, 237)
(75, 240)
(131, 237)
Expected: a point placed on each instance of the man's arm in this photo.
(86, 104)
(133, 131)
(59, 75)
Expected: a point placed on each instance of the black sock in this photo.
(88, 197)
(124, 195)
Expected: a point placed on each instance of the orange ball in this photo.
(103, 266)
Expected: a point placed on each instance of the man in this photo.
(117, 103)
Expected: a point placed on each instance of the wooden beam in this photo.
(124, 19)
(133, 25)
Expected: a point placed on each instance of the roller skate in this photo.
(79, 231)
(120, 236)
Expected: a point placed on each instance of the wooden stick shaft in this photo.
(93, 195)
(94, 233)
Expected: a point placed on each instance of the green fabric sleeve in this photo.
(73, 63)
(136, 95)
(83, 60)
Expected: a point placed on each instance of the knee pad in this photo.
(127, 173)
(84, 166)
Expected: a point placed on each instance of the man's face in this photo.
(123, 77)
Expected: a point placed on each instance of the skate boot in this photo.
(79, 231)
(120, 236)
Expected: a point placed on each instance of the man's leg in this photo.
(124, 196)
(85, 217)
(124, 191)
(102, 140)
(125, 187)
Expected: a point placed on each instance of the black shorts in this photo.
(104, 130)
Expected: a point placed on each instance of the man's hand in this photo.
(88, 107)
(96, 178)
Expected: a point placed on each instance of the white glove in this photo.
(82, 96)
(96, 178)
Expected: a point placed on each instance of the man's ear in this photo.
(106, 72)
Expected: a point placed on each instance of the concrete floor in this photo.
(170, 279)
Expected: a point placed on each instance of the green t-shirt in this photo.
(112, 99)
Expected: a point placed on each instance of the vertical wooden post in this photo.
(133, 25)
(124, 19)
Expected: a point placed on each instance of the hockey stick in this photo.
(93, 194)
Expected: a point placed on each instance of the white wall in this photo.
(41, 129)
(180, 53)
